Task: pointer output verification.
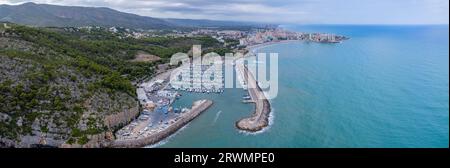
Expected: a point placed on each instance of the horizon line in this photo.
(250, 21)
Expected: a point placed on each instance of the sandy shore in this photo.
(197, 108)
(257, 46)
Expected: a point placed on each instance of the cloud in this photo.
(286, 11)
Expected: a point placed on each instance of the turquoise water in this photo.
(388, 86)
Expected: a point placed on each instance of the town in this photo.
(237, 39)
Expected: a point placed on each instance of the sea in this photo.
(385, 87)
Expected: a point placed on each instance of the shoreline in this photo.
(198, 108)
(262, 45)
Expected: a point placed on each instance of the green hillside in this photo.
(62, 82)
(73, 16)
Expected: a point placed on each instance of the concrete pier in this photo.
(260, 117)
(197, 108)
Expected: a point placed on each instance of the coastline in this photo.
(262, 45)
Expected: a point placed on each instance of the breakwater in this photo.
(197, 108)
(260, 117)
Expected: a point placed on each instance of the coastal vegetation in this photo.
(60, 83)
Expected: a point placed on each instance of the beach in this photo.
(262, 45)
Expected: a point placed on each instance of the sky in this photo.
(279, 11)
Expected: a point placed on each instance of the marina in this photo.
(155, 134)
(158, 116)
(199, 78)
(158, 94)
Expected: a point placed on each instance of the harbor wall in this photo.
(260, 117)
(152, 139)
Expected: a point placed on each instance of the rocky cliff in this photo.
(51, 96)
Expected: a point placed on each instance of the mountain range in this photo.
(45, 15)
